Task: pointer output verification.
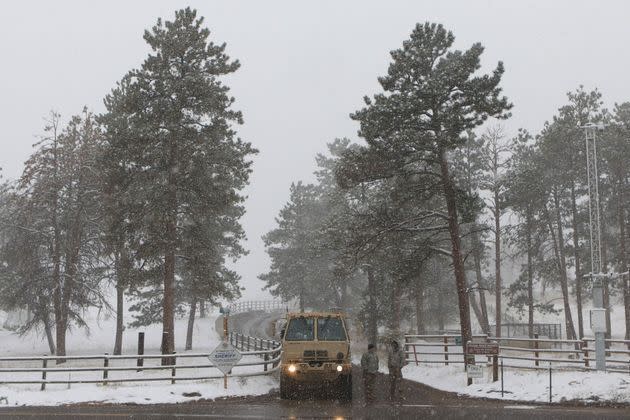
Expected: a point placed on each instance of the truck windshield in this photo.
(300, 329)
(330, 329)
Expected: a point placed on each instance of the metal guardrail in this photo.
(270, 357)
(577, 355)
(247, 343)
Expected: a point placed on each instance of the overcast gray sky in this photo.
(305, 66)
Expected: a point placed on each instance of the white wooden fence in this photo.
(106, 369)
(521, 353)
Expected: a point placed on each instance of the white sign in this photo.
(224, 357)
(598, 320)
(475, 371)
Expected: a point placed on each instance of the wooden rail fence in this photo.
(569, 354)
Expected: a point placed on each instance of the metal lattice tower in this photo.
(593, 197)
(598, 324)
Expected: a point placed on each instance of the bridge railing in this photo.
(517, 352)
(260, 305)
(25, 370)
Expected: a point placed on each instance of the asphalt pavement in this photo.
(417, 402)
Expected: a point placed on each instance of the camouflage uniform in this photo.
(395, 362)
(369, 367)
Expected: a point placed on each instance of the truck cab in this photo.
(315, 352)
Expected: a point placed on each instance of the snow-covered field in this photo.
(526, 385)
(98, 341)
(100, 338)
(148, 393)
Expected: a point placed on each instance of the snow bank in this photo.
(150, 393)
(522, 385)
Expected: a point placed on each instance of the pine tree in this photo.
(171, 124)
(431, 96)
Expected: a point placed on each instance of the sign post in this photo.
(486, 349)
(224, 357)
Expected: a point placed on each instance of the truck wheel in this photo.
(285, 388)
(346, 388)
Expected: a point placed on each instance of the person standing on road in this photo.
(395, 361)
(369, 367)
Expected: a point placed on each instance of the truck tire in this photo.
(346, 388)
(286, 391)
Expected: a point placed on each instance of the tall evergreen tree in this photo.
(432, 95)
(171, 124)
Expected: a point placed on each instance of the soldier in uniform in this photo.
(369, 368)
(395, 361)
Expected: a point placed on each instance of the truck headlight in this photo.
(291, 369)
(339, 368)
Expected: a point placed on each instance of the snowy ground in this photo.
(139, 394)
(98, 341)
(526, 385)
(100, 338)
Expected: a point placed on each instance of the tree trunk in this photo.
(372, 327)
(419, 297)
(621, 215)
(483, 322)
(60, 328)
(558, 247)
(396, 302)
(191, 324)
(497, 262)
(623, 258)
(476, 309)
(578, 271)
(530, 277)
(48, 330)
(605, 282)
(168, 317)
(120, 293)
(168, 306)
(458, 265)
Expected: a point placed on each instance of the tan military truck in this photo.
(315, 352)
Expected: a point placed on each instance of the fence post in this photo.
(585, 349)
(536, 354)
(445, 350)
(44, 365)
(266, 359)
(105, 366)
(502, 388)
(549, 382)
(248, 343)
(173, 373)
(140, 361)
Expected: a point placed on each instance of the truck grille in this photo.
(315, 354)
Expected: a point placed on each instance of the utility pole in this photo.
(598, 313)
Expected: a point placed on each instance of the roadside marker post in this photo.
(487, 349)
(224, 357)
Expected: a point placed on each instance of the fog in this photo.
(305, 67)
